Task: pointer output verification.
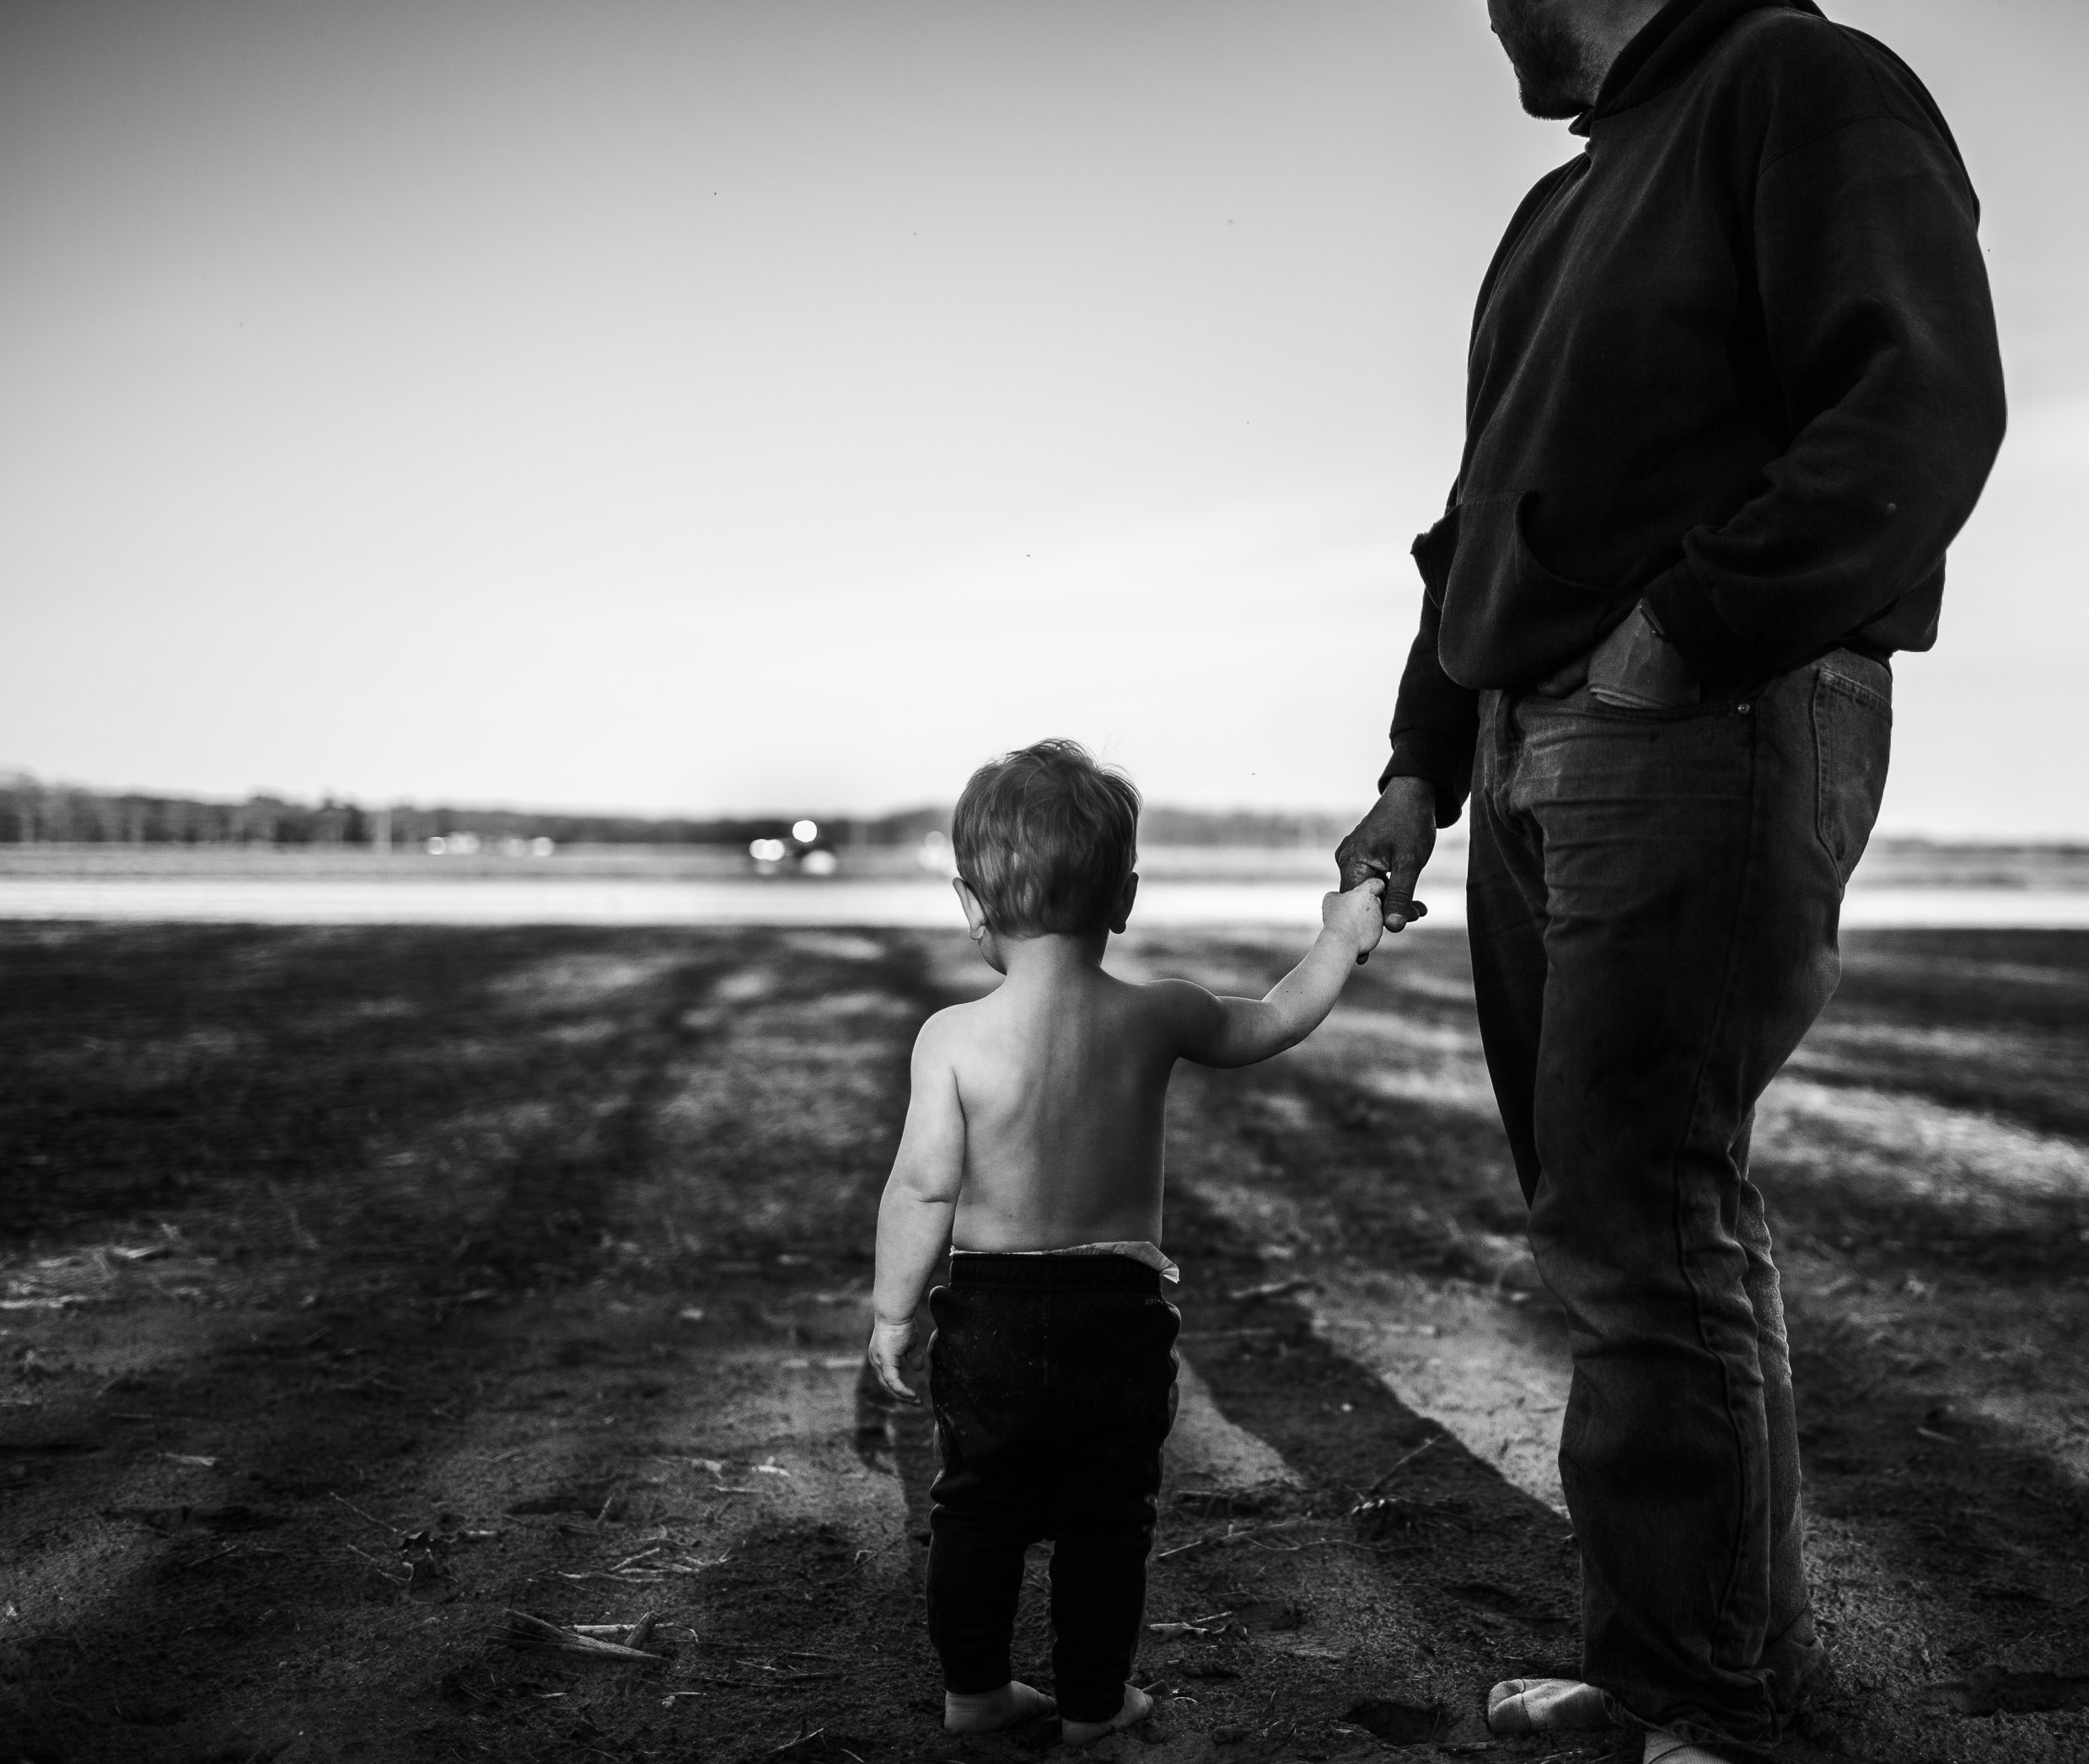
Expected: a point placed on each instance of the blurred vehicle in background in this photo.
(802, 853)
(936, 855)
(469, 844)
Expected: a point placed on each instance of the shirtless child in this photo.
(1032, 1155)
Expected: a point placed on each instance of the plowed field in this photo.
(364, 1285)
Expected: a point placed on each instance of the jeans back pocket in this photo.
(1853, 731)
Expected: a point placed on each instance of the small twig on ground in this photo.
(524, 1631)
(788, 1745)
(1221, 1539)
(1333, 1543)
(632, 1635)
(300, 1238)
(360, 1514)
(378, 1568)
(1399, 1464)
(773, 1653)
(1268, 1290)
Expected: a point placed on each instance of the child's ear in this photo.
(1124, 900)
(974, 914)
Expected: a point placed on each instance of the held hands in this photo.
(891, 1346)
(1392, 842)
(1355, 915)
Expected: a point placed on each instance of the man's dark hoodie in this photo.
(1738, 360)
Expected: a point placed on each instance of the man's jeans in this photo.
(1053, 1381)
(1654, 901)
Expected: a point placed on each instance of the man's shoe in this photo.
(1545, 1705)
(1673, 1749)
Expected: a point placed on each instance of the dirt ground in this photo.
(362, 1286)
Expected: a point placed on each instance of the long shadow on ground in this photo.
(381, 1186)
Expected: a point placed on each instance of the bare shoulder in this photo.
(1174, 996)
(1180, 1011)
(944, 1038)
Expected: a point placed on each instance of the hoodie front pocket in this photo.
(1507, 619)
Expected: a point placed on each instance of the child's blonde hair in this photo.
(1046, 838)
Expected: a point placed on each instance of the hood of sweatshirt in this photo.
(1669, 45)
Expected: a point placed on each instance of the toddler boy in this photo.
(1031, 1154)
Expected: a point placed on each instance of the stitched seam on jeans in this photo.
(1492, 762)
(1596, 710)
(1532, 914)
(1829, 685)
(1697, 1094)
(1816, 724)
(1869, 697)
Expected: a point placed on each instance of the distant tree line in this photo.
(35, 813)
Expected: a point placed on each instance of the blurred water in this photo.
(922, 902)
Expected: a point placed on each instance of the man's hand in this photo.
(891, 1346)
(1355, 914)
(1637, 668)
(1394, 841)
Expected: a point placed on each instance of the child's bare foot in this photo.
(1137, 1707)
(988, 1712)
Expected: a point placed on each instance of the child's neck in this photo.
(1054, 959)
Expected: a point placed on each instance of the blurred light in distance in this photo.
(768, 851)
(805, 832)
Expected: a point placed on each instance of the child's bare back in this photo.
(1061, 1078)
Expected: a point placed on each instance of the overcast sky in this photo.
(700, 405)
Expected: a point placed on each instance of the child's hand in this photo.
(891, 1346)
(1355, 914)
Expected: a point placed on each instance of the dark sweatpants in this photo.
(1053, 1382)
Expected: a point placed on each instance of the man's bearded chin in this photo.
(1553, 74)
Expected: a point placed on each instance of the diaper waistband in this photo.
(1087, 1273)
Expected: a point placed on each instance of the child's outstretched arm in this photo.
(921, 1199)
(1217, 1031)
